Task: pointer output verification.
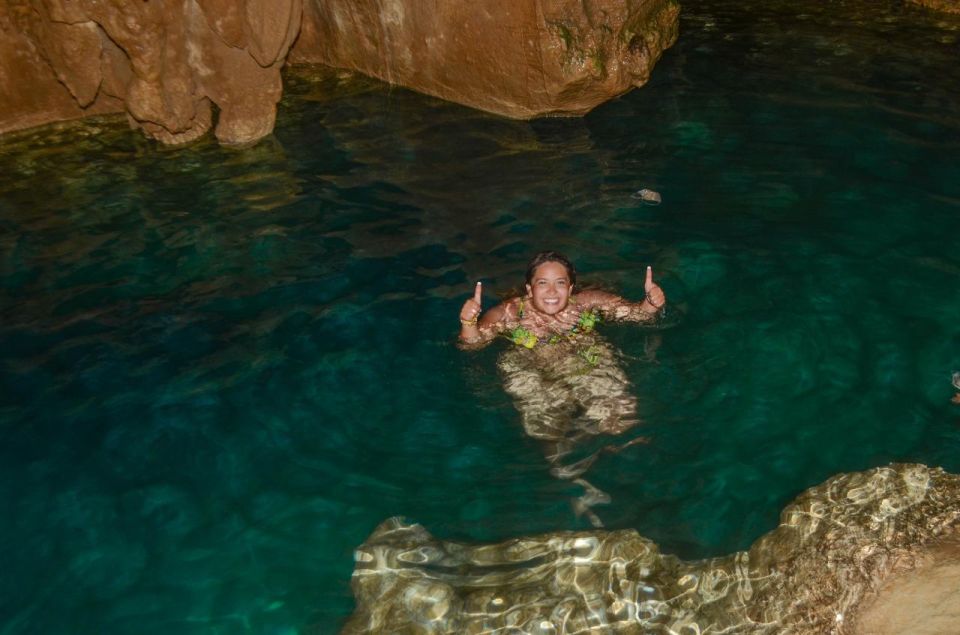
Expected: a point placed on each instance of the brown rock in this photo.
(225, 18)
(169, 62)
(162, 95)
(520, 60)
(114, 68)
(272, 27)
(67, 11)
(516, 59)
(247, 102)
(238, 81)
(947, 6)
(73, 51)
(32, 92)
(924, 600)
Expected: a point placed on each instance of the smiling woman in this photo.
(550, 310)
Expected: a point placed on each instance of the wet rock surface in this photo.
(841, 550)
(31, 92)
(176, 66)
(517, 59)
(166, 64)
(924, 600)
(947, 6)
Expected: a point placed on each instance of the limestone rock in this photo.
(32, 91)
(225, 18)
(245, 83)
(165, 63)
(517, 59)
(924, 600)
(73, 51)
(841, 550)
(171, 64)
(162, 96)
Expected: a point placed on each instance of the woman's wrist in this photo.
(470, 335)
(650, 301)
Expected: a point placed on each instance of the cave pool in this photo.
(222, 368)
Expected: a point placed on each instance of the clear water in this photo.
(222, 368)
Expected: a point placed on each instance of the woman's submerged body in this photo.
(564, 377)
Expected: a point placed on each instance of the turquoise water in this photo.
(222, 368)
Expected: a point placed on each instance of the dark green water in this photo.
(221, 369)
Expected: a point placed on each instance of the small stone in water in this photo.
(649, 197)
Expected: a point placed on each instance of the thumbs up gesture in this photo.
(471, 308)
(655, 296)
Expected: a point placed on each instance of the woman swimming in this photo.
(550, 309)
(565, 379)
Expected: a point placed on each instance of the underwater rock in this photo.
(919, 601)
(841, 551)
(164, 63)
(517, 59)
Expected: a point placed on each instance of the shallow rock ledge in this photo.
(842, 550)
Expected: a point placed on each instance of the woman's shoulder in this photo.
(592, 298)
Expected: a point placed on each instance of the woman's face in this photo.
(550, 288)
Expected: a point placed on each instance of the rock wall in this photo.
(164, 63)
(168, 63)
(517, 59)
(30, 92)
(830, 567)
(947, 6)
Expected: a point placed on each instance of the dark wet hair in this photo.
(551, 256)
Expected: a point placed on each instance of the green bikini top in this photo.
(523, 337)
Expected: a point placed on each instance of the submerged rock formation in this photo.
(841, 550)
(168, 64)
(518, 59)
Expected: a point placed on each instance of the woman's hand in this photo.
(655, 296)
(470, 311)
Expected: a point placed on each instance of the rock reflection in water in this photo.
(836, 544)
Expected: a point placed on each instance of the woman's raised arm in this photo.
(477, 331)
